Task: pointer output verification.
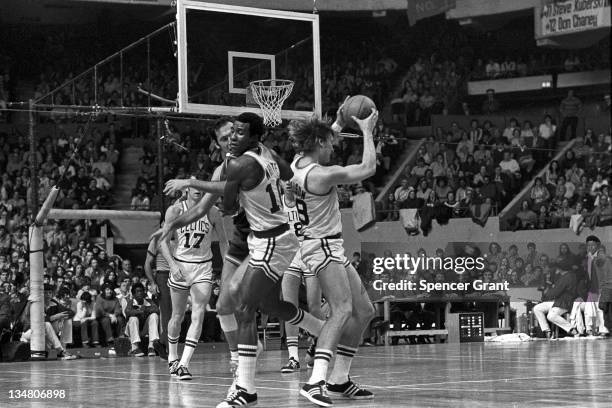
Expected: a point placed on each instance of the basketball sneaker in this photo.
(136, 352)
(291, 366)
(183, 373)
(239, 398)
(349, 389)
(173, 367)
(317, 394)
(160, 349)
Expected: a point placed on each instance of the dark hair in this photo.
(305, 134)
(593, 238)
(86, 297)
(62, 292)
(136, 286)
(256, 125)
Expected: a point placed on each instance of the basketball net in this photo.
(270, 94)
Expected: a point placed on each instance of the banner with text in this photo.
(420, 9)
(559, 17)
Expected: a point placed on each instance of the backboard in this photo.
(222, 48)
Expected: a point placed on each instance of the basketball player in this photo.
(159, 287)
(254, 178)
(314, 184)
(237, 250)
(190, 274)
(292, 280)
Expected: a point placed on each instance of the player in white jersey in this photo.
(297, 274)
(254, 178)
(237, 231)
(314, 184)
(190, 274)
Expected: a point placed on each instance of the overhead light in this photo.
(546, 84)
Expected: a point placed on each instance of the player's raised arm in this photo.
(235, 173)
(212, 187)
(335, 175)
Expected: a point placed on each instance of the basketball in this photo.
(359, 106)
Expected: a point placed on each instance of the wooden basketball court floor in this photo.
(575, 373)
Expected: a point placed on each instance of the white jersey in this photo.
(263, 203)
(293, 217)
(193, 241)
(319, 214)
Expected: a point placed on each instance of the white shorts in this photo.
(193, 272)
(273, 255)
(317, 254)
(298, 268)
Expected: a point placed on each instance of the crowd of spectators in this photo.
(512, 52)
(574, 191)
(457, 171)
(81, 163)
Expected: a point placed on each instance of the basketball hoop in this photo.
(270, 94)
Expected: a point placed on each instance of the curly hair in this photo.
(306, 134)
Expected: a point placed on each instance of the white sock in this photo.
(342, 364)
(292, 347)
(247, 363)
(190, 345)
(172, 348)
(234, 355)
(321, 362)
(307, 322)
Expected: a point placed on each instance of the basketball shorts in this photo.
(273, 255)
(298, 268)
(193, 272)
(317, 254)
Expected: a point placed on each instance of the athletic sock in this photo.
(190, 345)
(247, 363)
(234, 355)
(172, 348)
(307, 322)
(292, 347)
(321, 362)
(342, 364)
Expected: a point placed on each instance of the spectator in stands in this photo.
(558, 301)
(570, 108)
(401, 192)
(59, 313)
(85, 320)
(142, 315)
(526, 218)
(109, 314)
(52, 341)
(491, 104)
(539, 193)
(140, 202)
